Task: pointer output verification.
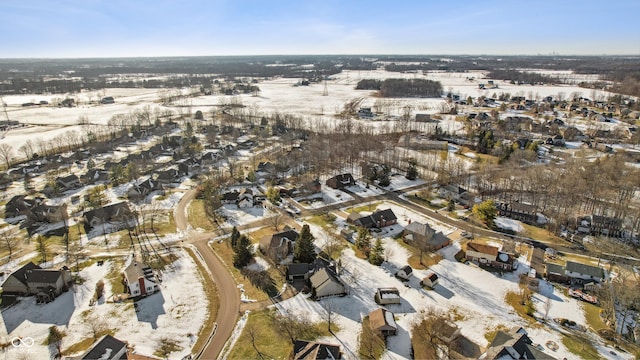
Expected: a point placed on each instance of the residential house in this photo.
(513, 344)
(230, 197)
(20, 205)
(555, 273)
(31, 279)
(430, 281)
(280, 245)
(94, 175)
(245, 198)
(140, 279)
(107, 348)
(519, 211)
(312, 350)
(51, 217)
(325, 282)
(111, 218)
(141, 190)
(382, 322)
(404, 273)
(341, 181)
(298, 271)
(386, 296)
(167, 176)
(583, 273)
(489, 255)
(312, 187)
(420, 233)
(378, 219)
(68, 182)
(451, 191)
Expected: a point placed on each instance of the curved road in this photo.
(228, 293)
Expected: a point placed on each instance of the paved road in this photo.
(228, 293)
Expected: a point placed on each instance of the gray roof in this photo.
(584, 269)
(43, 276)
(21, 274)
(136, 270)
(419, 228)
(438, 239)
(107, 345)
(554, 269)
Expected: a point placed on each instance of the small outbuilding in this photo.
(430, 281)
(404, 273)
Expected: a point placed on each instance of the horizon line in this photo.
(334, 55)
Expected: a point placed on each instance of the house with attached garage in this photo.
(583, 273)
(489, 255)
(140, 279)
(31, 279)
(68, 182)
(109, 218)
(378, 219)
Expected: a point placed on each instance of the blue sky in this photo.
(91, 28)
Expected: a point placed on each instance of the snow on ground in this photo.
(260, 264)
(399, 182)
(239, 216)
(175, 312)
(364, 191)
(508, 224)
(474, 293)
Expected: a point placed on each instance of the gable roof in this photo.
(315, 350)
(137, 270)
(104, 348)
(438, 239)
(420, 229)
(323, 277)
(382, 319)
(45, 276)
(21, 274)
(108, 212)
(482, 248)
(584, 269)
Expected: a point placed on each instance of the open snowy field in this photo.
(176, 312)
(276, 96)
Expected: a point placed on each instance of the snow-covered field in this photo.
(176, 313)
(475, 294)
(508, 224)
(276, 95)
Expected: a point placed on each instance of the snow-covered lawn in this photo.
(177, 312)
(475, 294)
(240, 216)
(509, 224)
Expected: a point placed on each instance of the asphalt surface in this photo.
(228, 293)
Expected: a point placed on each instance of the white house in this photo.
(141, 279)
(583, 271)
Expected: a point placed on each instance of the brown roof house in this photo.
(341, 181)
(383, 322)
(513, 344)
(311, 350)
(489, 255)
(378, 219)
(109, 218)
(278, 246)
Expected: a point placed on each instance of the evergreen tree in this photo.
(243, 252)
(376, 255)
(412, 171)
(304, 251)
(235, 235)
(363, 241)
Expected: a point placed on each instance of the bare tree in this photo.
(6, 154)
(96, 326)
(28, 149)
(276, 219)
(9, 242)
(329, 307)
(252, 333)
(547, 308)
